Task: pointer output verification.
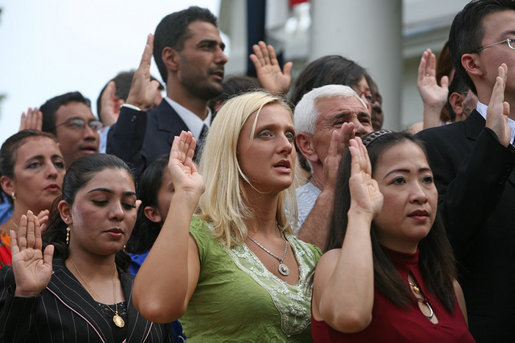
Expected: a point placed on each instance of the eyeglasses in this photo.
(80, 124)
(509, 41)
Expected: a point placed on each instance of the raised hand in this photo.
(365, 195)
(143, 91)
(31, 266)
(32, 120)
(184, 173)
(432, 94)
(269, 73)
(43, 219)
(340, 139)
(109, 102)
(498, 109)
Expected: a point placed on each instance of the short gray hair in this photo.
(306, 113)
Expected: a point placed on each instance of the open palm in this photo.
(184, 173)
(364, 189)
(268, 70)
(32, 267)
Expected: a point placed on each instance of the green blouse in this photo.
(238, 300)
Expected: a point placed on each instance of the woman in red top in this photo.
(388, 274)
(32, 170)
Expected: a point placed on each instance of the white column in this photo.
(370, 33)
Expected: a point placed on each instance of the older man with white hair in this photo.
(325, 119)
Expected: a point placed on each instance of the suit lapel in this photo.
(168, 120)
(70, 292)
(473, 125)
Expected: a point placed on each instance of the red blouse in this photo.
(391, 323)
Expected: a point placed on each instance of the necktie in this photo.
(200, 142)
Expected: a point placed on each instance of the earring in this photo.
(68, 235)
(13, 196)
(124, 247)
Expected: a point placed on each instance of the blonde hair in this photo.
(223, 202)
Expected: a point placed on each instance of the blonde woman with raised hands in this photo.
(234, 272)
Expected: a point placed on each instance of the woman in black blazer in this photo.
(80, 293)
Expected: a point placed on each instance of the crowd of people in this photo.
(241, 209)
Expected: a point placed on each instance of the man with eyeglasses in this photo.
(473, 164)
(69, 118)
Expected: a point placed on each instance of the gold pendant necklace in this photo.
(117, 319)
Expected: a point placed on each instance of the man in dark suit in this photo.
(473, 164)
(189, 54)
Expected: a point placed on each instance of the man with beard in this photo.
(189, 54)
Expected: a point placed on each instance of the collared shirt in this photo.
(192, 121)
(482, 108)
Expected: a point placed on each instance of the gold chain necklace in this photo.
(117, 319)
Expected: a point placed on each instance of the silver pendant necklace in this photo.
(283, 268)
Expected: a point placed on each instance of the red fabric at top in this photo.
(296, 2)
(391, 323)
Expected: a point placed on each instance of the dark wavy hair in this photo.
(146, 231)
(436, 260)
(77, 176)
(327, 70)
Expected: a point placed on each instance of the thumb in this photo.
(48, 254)
(287, 68)
(444, 82)
(506, 108)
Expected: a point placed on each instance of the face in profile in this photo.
(266, 155)
(103, 213)
(38, 173)
(410, 196)
(496, 27)
(202, 60)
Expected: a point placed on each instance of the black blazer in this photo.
(140, 137)
(65, 312)
(475, 178)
